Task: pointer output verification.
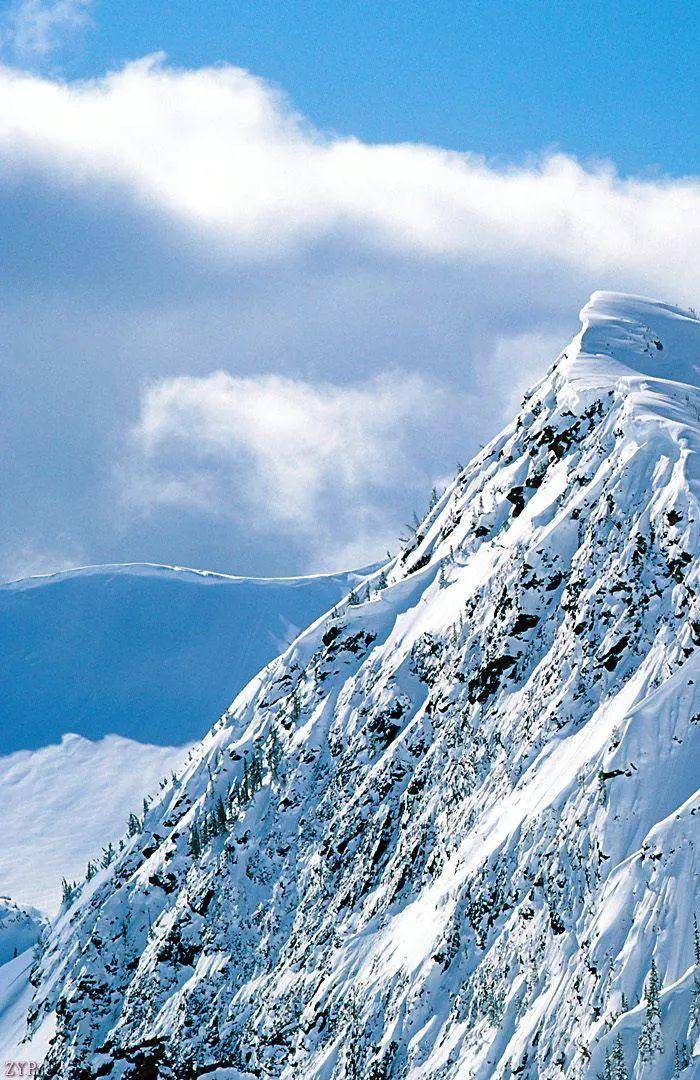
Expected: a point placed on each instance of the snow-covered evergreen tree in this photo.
(651, 1040)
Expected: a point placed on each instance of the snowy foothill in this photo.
(60, 805)
(21, 930)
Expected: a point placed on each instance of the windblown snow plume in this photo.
(452, 831)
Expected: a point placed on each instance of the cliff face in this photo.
(452, 830)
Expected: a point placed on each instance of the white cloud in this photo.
(517, 361)
(30, 558)
(36, 28)
(316, 460)
(221, 150)
(167, 220)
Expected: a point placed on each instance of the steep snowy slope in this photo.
(148, 652)
(452, 831)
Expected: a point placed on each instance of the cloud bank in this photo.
(221, 150)
(278, 451)
(238, 340)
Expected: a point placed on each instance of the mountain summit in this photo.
(452, 831)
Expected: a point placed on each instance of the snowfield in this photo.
(452, 831)
(61, 804)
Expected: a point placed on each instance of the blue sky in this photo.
(263, 290)
(502, 78)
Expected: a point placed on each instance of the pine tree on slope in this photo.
(651, 1040)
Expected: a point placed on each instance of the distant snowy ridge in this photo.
(162, 570)
(140, 650)
(21, 930)
(452, 831)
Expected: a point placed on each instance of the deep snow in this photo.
(61, 804)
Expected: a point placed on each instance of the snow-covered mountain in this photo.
(139, 650)
(452, 831)
(108, 674)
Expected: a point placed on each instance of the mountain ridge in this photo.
(166, 570)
